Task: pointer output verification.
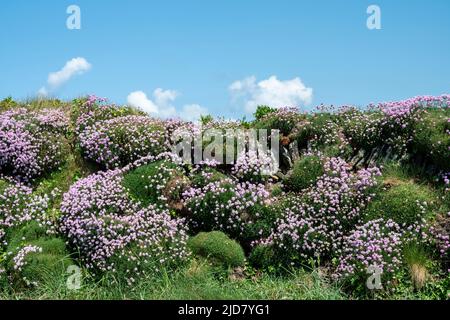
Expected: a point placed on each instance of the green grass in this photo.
(198, 280)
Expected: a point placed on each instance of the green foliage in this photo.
(405, 202)
(262, 227)
(262, 111)
(3, 185)
(7, 104)
(286, 121)
(31, 231)
(204, 120)
(218, 248)
(305, 173)
(263, 257)
(276, 191)
(51, 261)
(432, 139)
(206, 175)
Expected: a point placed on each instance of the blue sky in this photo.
(197, 49)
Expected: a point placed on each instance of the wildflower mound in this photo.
(112, 232)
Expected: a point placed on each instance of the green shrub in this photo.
(404, 202)
(204, 120)
(161, 182)
(431, 141)
(287, 120)
(7, 104)
(262, 257)
(362, 129)
(217, 247)
(305, 173)
(262, 111)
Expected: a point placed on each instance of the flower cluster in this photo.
(94, 109)
(376, 243)
(19, 258)
(325, 131)
(285, 119)
(32, 143)
(105, 226)
(225, 206)
(388, 124)
(400, 108)
(318, 221)
(18, 205)
(122, 140)
(253, 166)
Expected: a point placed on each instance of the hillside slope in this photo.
(92, 195)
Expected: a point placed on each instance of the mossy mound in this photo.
(305, 173)
(218, 248)
(405, 202)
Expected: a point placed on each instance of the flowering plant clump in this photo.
(284, 119)
(440, 234)
(432, 139)
(32, 143)
(392, 125)
(396, 108)
(18, 205)
(225, 206)
(361, 129)
(204, 173)
(178, 130)
(86, 112)
(376, 243)
(111, 231)
(160, 182)
(122, 140)
(325, 131)
(318, 221)
(253, 166)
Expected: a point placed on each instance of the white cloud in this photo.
(193, 112)
(76, 66)
(139, 100)
(164, 100)
(162, 105)
(272, 92)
